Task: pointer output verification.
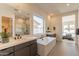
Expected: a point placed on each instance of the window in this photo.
(37, 25)
(68, 25)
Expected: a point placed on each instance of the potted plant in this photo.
(5, 36)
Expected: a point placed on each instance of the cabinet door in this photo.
(23, 52)
(6, 51)
(12, 54)
(33, 49)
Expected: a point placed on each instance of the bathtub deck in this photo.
(65, 49)
(45, 46)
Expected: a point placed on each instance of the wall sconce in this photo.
(54, 28)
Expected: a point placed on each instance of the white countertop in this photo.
(13, 42)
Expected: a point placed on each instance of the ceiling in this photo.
(19, 9)
(50, 7)
(58, 7)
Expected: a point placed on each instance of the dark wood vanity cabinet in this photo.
(33, 49)
(12, 54)
(23, 52)
(7, 51)
(25, 49)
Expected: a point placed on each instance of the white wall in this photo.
(8, 11)
(56, 21)
(78, 28)
(5, 11)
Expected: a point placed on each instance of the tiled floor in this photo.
(65, 48)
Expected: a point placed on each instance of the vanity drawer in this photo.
(32, 42)
(17, 47)
(6, 51)
(23, 52)
(20, 46)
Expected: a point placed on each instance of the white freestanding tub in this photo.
(45, 45)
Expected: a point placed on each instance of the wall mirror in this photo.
(22, 24)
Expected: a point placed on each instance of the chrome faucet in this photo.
(42, 37)
(17, 36)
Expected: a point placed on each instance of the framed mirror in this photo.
(22, 25)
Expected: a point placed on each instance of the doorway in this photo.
(68, 28)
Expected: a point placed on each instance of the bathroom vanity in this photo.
(20, 47)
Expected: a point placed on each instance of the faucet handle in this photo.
(15, 38)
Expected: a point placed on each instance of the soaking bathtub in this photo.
(45, 45)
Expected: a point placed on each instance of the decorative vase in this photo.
(5, 40)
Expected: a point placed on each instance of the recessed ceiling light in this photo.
(67, 4)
